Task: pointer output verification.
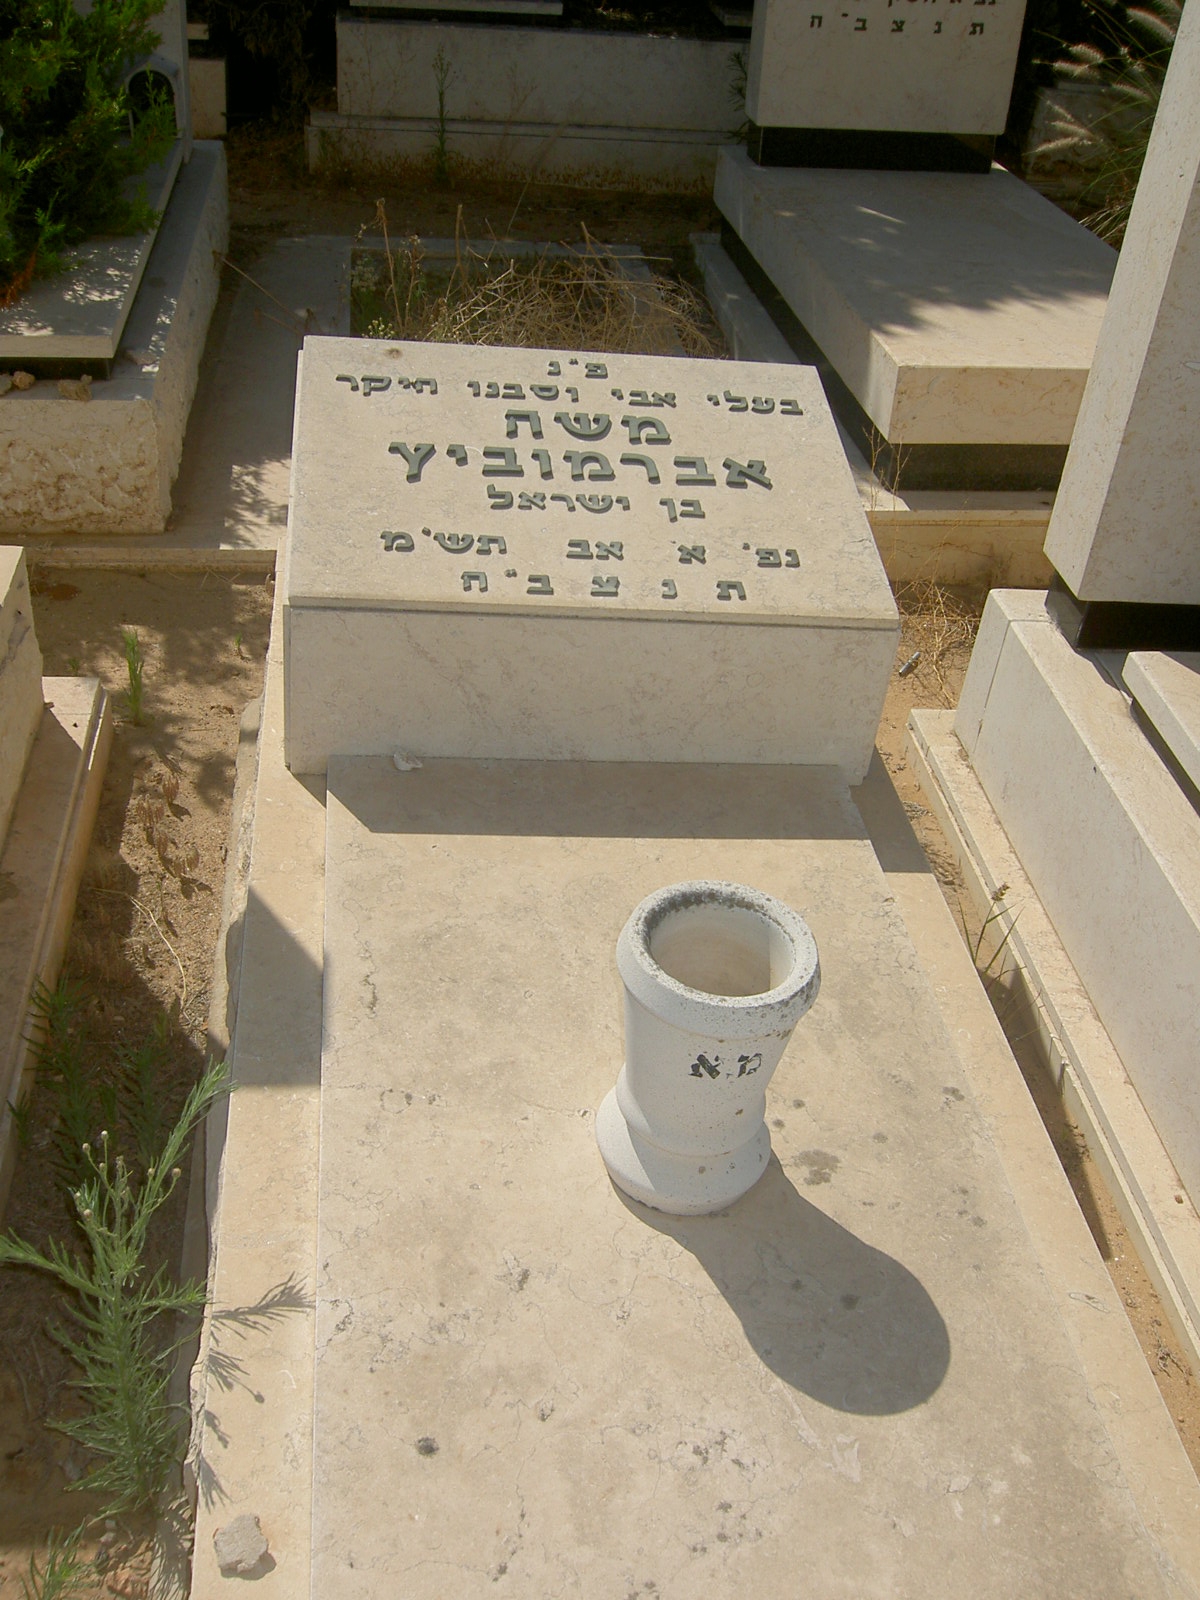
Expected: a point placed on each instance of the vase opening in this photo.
(720, 948)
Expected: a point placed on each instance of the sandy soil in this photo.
(141, 948)
(148, 915)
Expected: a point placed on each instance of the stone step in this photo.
(41, 862)
(1166, 689)
(1048, 1009)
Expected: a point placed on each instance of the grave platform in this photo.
(954, 315)
(558, 556)
(897, 1365)
(106, 465)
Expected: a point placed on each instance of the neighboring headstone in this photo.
(824, 80)
(544, 555)
(20, 679)
(597, 108)
(520, 9)
(1126, 526)
(1166, 689)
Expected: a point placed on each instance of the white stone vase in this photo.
(716, 977)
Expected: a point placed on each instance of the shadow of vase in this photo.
(835, 1318)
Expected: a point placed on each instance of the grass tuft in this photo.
(135, 666)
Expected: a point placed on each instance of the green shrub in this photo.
(69, 145)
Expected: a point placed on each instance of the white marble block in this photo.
(918, 67)
(1109, 840)
(80, 314)
(957, 308)
(543, 555)
(1126, 525)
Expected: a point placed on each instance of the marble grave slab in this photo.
(1167, 689)
(855, 1383)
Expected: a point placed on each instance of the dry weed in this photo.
(585, 300)
(940, 625)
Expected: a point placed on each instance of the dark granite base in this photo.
(1122, 624)
(908, 466)
(862, 148)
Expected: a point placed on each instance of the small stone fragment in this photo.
(240, 1545)
(75, 388)
(6, 382)
(23, 380)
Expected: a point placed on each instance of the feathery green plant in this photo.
(1132, 62)
(117, 1305)
(62, 1574)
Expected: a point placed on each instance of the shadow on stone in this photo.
(831, 1315)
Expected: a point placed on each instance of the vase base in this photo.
(684, 1186)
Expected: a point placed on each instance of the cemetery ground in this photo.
(148, 921)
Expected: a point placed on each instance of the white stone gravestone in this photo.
(951, 310)
(548, 555)
(1126, 526)
(820, 75)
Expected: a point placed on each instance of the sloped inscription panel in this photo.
(443, 477)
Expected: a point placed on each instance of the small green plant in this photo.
(135, 666)
(62, 1573)
(117, 1306)
(441, 156)
(997, 914)
(74, 665)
